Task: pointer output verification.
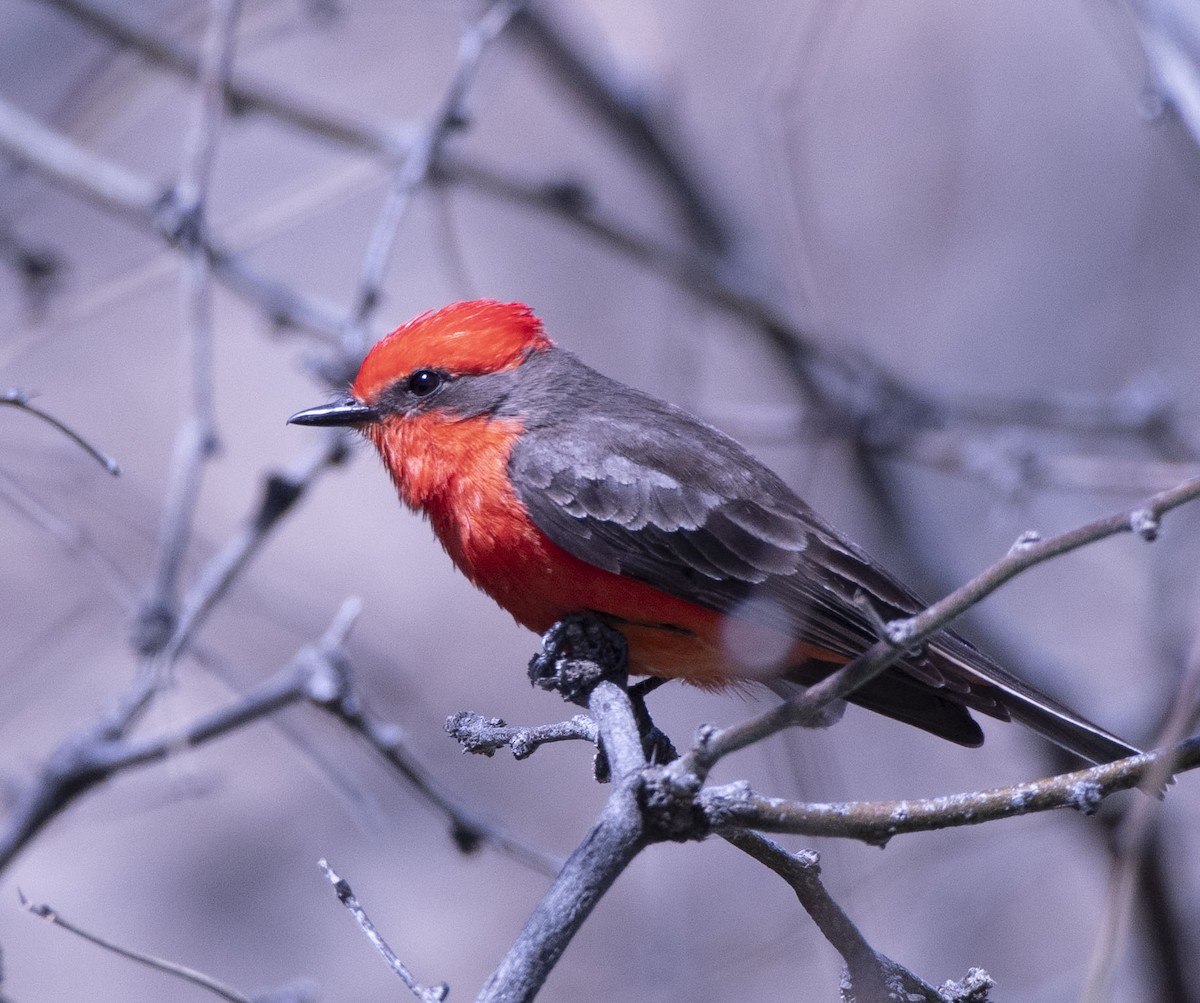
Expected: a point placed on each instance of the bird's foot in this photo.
(577, 653)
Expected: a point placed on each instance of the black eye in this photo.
(424, 382)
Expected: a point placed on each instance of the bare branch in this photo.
(626, 113)
(346, 896)
(114, 188)
(172, 968)
(333, 693)
(91, 755)
(19, 399)
(280, 493)
(318, 674)
(241, 94)
(72, 536)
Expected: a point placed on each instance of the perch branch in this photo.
(619, 835)
(876, 822)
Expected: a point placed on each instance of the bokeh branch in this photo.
(171, 968)
(319, 674)
(20, 400)
(124, 193)
(450, 115)
(851, 394)
(242, 95)
(196, 441)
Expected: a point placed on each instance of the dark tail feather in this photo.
(903, 698)
(1028, 705)
(955, 678)
(1067, 729)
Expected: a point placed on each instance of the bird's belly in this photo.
(497, 546)
(669, 637)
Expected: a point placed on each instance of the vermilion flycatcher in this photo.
(557, 490)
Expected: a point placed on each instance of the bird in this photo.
(557, 490)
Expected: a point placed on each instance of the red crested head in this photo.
(473, 338)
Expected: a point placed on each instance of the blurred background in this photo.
(935, 263)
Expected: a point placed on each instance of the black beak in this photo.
(346, 413)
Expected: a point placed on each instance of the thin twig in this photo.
(172, 968)
(485, 735)
(427, 994)
(870, 975)
(91, 755)
(280, 493)
(335, 696)
(19, 399)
